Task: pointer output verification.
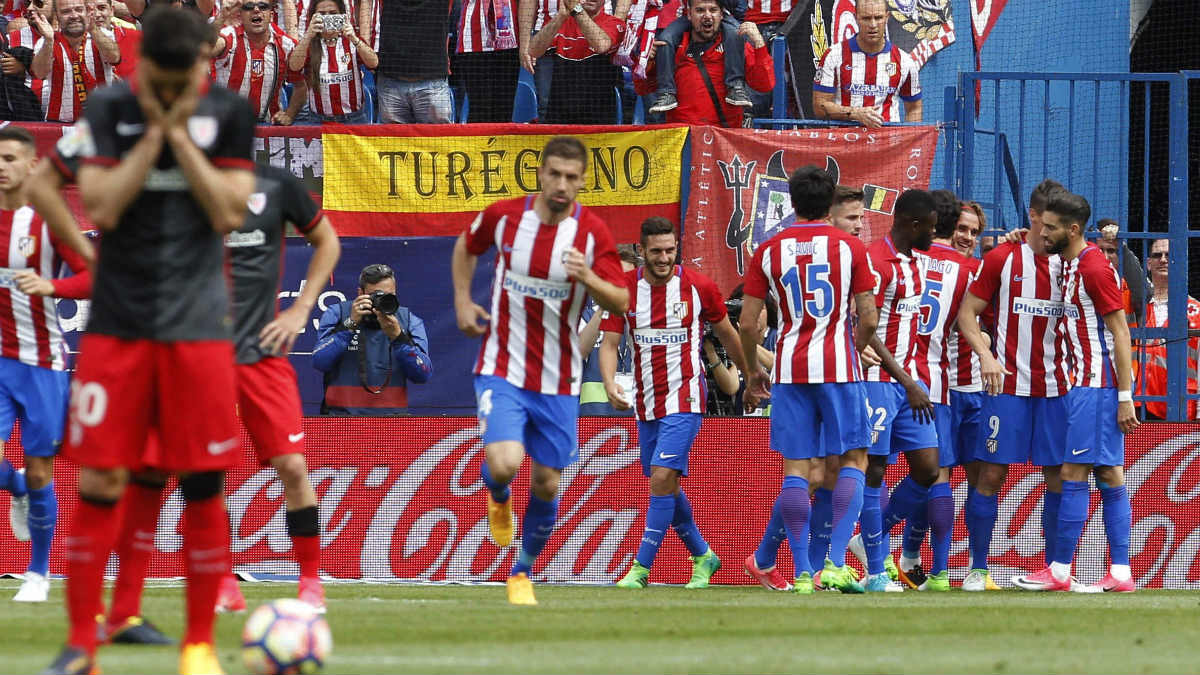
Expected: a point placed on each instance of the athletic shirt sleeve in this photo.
(298, 206)
(987, 281)
(910, 87)
(481, 233)
(99, 143)
(606, 263)
(1100, 281)
(712, 304)
(826, 76)
(883, 272)
(755, 283)
(68, 151)
(861, 277)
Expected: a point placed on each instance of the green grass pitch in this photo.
(577, 629)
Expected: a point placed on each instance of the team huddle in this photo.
(909, 346)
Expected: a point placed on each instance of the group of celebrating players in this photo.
(910, 346)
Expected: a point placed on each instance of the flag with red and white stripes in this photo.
(665, 324)
(879, 80)
(532, 339)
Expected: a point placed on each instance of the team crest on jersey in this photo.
(203, 130)
(891, 68)
(679, 310)
(26, 246)
(346, 59)
(256, 68)
(257, 202)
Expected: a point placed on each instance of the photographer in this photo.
(724, 382)
(369, 349)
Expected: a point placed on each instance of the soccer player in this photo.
(33, 357)
(1026, 378)
(1100, 403)
(166, 173)
(947, 274)
(898, 400)
(812, 270)
(551, 252)
(668, 305)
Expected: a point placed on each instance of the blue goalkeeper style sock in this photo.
(658, 519)
(1118, 515)
(1072, 514)
(500, 492)
(11, 480)
(685, 526)
(773, 536)
(848, 500)
(940, 515)
(981, 520)
(43, 515)
(906, 499)
(820, 527)
(536, 528)
(872, 530)
(915, 528)
(1050, 505)
(795, 508)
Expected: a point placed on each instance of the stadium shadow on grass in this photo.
(472, 629)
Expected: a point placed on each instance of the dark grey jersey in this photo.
(256, 252)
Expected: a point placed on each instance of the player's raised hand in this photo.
(575, 263)
(152, 108)
(185, 103)
(993, 374)
(471, 318)
(1126, 417)
(758, 389)
(617, 397)
(918, 400)
(29, 283)
(278, 336)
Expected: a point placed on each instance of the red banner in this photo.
(739, 192)
(402, 498)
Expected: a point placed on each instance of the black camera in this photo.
(733, 307)
(385, 302)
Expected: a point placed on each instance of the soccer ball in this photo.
(285, 637)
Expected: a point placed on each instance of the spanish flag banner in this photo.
(431, 180)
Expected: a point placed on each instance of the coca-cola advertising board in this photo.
(401, 498)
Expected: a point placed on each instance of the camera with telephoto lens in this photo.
(333, 22)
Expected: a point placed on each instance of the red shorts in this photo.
(269, 403)
(183, 391)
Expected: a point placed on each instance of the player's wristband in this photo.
(1125, 396)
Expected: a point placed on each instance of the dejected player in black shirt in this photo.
(166, 173)
(268, 396)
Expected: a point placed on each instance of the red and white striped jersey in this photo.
(1026, 291)
(948, 273)
(666, 328)
(813, 270)
(29, 328)
(1090, 290)
(257, 74)
(768, 11)
(25, 37)
(899, 286)
(12, 9)
(64, 94)
(545, 10)
(531, 340)
(865, 80)
(339, 85)
(486, 26)
(963, 372)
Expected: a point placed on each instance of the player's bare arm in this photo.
(990, 369)
(758, 381)
(1123, 362)
(617, 396)
(471, 317)
(106, 192)
(868, 319)
(728, 335)
(44, 193)
(918, 398)
(608, 295)
(278, 336)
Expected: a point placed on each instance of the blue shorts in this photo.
(1093, 436)
(38, 397)
(893, 428)
(964, 424)
(668, 440)
(815, 420)
(1020, 429)
(943, 420)
(546, 424)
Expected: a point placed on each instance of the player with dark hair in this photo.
(166, 173)
(1100, 403)
(668, 306)
(1027, 378)
(551, 253)
(900, 409)
(813, 270)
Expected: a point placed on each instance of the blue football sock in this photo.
(940, 514)
(536, 528)
(11, 480)
(773, 536)
(685, 526)
(500, 491)
(795, 508)
(915, 528)
(848, 499)
(906, 499)
(981, 520)
(1117, 518)
(885, 533)
(820, 527)
(43, 515)
(658, 519)
(1072, 514)
(1050, 506)
(872, 530)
